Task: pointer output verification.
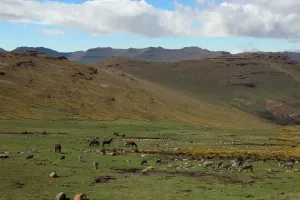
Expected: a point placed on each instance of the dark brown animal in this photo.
(144, 162)
(57, 148)
(116, 134)
(130, 143)
(107, 142)
(94, 143)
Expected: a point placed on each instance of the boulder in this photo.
(53, 175)
(110, 153)
(4, 156)
(80, 197)
(61, 196)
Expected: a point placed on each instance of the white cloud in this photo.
(52, 32)
(254, 18)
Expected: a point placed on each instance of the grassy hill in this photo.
(38, 86)
(266, 85)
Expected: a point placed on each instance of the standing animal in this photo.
(129, 162)
(57, 148)
(144, 162)
(62, 158)
(246, 167)
(95, 164)
(107, 142)
(130, 143)
(123, 135)
(116, 134)
(29, 157)
(80, 159)
(94, 143)
(158, 161)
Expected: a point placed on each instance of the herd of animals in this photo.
(238, 163)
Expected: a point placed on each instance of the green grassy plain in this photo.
(166, 182)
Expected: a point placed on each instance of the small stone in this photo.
(81, 197)
(53, 175)
(61, 196)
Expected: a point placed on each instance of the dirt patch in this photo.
(144, 138)
(127, 170)
(103, 179)
(225, 179)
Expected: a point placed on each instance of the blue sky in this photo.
(62, 37)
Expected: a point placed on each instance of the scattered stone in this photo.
(148, 169)
(80, 197)
(110, 153)
(61, 196)
(249, 196)
(53, 175)
(4, 156)
(2, 73)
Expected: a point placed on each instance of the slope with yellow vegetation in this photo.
(266, 85)
(37, 86)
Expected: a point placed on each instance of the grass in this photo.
(166, 182)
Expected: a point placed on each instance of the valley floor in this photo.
(182, 149)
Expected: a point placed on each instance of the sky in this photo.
(218, 25)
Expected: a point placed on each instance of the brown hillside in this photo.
(37, 86)
(251, 82)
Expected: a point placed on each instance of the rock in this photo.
(4, 156)
(110, 153)
(148, 169)
(61, 196)
(53, 175)
(80, 197)
(249, 196)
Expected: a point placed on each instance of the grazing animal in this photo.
(107, 142)
(95, 164)
(208, 164)
(158, 161)
(123, 135)
(130, 143)
(62, 158)
(57, 148)
(94, 143)
(29, 157)
(116, 134)
(80, 159)
(129, 162)
(144, 162)
(246, 167)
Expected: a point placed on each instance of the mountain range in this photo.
(157, 54)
